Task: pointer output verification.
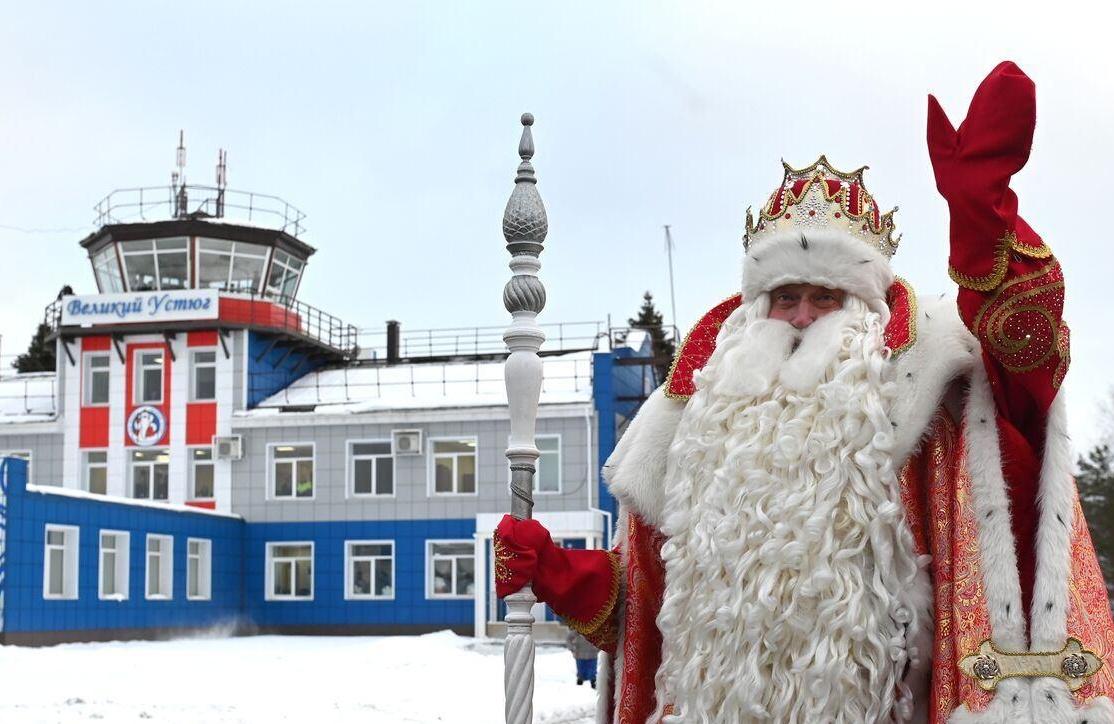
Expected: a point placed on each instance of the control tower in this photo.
(197, 316)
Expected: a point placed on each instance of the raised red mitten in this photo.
(973, 166)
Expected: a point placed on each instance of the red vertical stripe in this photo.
(201, 423)
(129, 385)
(93, 430)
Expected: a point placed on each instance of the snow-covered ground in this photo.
(438, 677)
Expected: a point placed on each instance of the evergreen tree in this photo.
(39, 356)
(1096, 495)
(663, 345)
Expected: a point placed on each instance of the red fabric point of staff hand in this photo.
(577, 584)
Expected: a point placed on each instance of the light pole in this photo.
(524, 227)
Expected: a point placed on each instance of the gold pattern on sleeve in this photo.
(1016, 323)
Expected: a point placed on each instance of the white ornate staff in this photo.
(524, 228)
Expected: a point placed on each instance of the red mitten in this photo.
(973, 166)
(580, 585)
(517, 544)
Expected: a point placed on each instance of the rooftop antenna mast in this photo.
(222, 179)
(672, 295)
(178, 178)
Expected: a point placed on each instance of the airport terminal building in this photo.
(210, 450)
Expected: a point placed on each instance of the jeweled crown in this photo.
(820, 197)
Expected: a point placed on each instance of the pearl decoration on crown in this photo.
(821, 197)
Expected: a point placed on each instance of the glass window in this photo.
(96, 471)
(454, 466)
(139, 265)
(148, 377)
(156, 264)
(230, 265)
(290, 571)
(246, 272)
(114, 565)
(60, 562)
(160, 568)
(150, 475)
(107, 270)
(172, 257)
(285, 270)
(214, 261)
(292, 471)
(452, 567)
(203, 375)
(371, 569)
(372, 468)
(548, 477)
(96, 378)
(199, 562)
(201, 473)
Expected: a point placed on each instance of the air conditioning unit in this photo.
(230, 447)
(406, 442)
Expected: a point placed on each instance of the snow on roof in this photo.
(27, 397)
(134, 502)
(565, 379)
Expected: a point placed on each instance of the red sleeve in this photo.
(1011, 288)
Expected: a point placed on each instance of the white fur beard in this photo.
(787, 550)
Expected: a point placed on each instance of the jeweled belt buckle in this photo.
(1073, 664)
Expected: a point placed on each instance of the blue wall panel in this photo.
(329, 607)
(30, 512)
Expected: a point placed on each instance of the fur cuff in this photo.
(826, 257)
(1039, 701)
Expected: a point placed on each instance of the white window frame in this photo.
(287, 272)
(86, 466)
(537, 473)
(70, 561)
(122, 564)
(204, 558)
(349, 559)
(191, 475)
(351, 458)
(560, 464)
(87, 378)
(271, 478)
(429, 594)
(431, 485)
(166, 568)
(269, 574)
(137, 382)
(151, 480)
(194, 351)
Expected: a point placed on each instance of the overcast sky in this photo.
(394, 128)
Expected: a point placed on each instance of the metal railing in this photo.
(28, 394)
(476, 341)
(362, 383)
(159, 203)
